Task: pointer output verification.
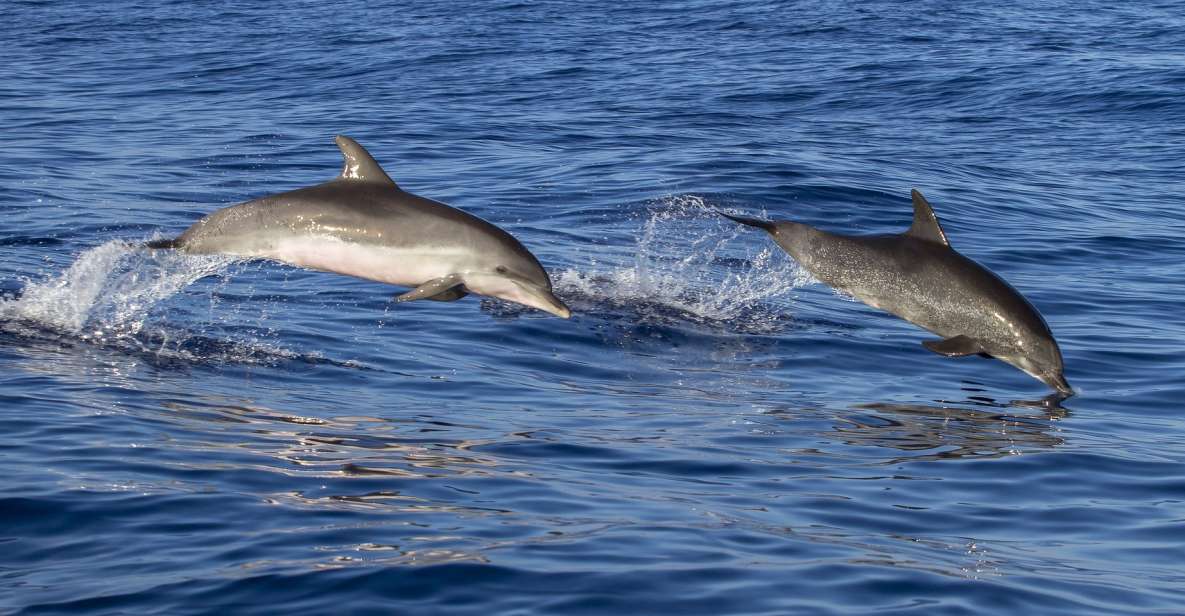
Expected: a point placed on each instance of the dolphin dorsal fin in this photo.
(360, 166)
(925, 223)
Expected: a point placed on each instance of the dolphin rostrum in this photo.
(362, 224)
(917, 276)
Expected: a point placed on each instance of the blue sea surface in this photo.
(712, 432)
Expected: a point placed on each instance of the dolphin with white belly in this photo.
(362, 224)
(917, 276)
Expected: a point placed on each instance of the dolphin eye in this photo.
(501, 269)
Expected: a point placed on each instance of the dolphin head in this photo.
(518, 278)
(1044, 363)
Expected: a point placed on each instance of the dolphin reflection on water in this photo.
(949, 432)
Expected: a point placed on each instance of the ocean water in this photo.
(711, 433)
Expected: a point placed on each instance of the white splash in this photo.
(691, 260)
(109, 290)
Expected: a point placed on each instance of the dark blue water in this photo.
(711, 433)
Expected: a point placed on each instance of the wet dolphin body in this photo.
(362, 224)
(917, 276)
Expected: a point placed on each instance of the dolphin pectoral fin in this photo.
(956, 346)
(451, 295)
(445, 285)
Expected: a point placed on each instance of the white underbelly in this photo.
(407, 267)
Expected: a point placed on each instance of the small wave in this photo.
(690, 264)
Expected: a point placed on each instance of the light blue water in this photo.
(711, 433)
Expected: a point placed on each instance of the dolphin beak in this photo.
(551, 303)
(1058, 382)
(514, 289)
(538, 297)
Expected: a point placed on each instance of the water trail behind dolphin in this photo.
(113, 296)
(688, 264)
(109, 290)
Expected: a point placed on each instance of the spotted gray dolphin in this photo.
(917, 276)
(362, 224)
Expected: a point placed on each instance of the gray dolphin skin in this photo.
(362, 224)
(917, 276)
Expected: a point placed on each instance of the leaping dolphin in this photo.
(917, 276)
(362, 224)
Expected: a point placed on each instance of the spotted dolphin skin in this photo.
(362, 224)
(917, 276)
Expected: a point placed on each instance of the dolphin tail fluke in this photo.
(752, 222)
(163, 244)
